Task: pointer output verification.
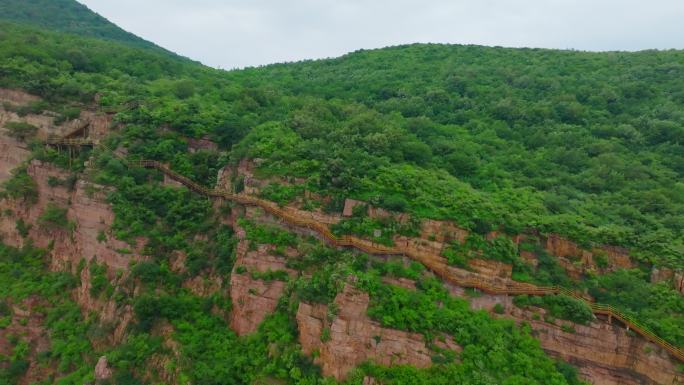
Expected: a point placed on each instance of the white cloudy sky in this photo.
(238, 33)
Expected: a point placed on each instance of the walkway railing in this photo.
(435, 263)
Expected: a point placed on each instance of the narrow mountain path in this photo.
(435, 263)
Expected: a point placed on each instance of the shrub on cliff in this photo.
(20, 186)
(54, 217)
(21, 130)
(559, 306)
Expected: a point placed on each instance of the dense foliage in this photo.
(67, 16)
(658, 306)
(559, 306)
(24, 275)
(588, 145)
(585, 144)
(20, 186)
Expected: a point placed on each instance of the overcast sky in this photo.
(238, 33)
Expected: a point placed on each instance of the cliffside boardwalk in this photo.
(434, 263)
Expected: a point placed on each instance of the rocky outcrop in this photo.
(615, 257)
(90, 236)
(12, 154)
(16, 97)
(674, 277)
(163, 365)
(491, 268)
(442, 231)
(401, 282)
(351, 337)
(678, 279)
(202, 144)
(660, 274)
(30, 213)
(93, 237)
(254, 298)
(12, 151)
(349, 205)
(87, 237)
(110, 313)
(102, 370)
(605, 353)
(92, 124)
(27, 320)
(204, 285)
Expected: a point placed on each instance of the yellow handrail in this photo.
(433, 262)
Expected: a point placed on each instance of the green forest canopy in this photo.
(588, 145)
(67, 16)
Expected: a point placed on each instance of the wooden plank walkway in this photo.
(434, 263)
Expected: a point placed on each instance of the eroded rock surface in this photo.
(253, 298)
(89, 237)
(605, 354)
(352, 338)
(102, 370)
(27, 323)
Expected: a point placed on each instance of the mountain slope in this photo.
(589, 143)
(472, 156)
(67, 16)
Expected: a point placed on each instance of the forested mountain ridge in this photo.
(131, 279)
(70, 17)
(591, 142)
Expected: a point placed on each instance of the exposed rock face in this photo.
(47, 194)
(27, 323)
(616, 257)
(102, 370)
(204, 285)
(89, 239)
(675, 277)
(561, 247)
(679, 281)
(661, 274)
(575, 270)
(12, 154)
(110, 313)
(89, 123)
(604, 353)
(352, 338)
(529, 258)
(401, 282)
(202, 144)
(491, 268)
(17, 97)
(253, 299)
(163, 367)
(94, 218)
(442, 231)
(349, 205)
(87, 209)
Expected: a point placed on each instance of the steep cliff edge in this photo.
(348, 337)
(338, 339)
(254, 298)
(606, 353)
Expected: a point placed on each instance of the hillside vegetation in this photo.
(67, 16)
(587, 145)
